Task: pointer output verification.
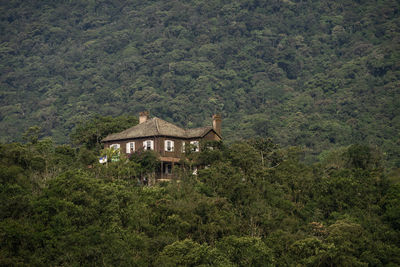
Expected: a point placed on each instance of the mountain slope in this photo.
(320, 74)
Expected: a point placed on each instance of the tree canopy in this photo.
(319, 74)
(253, 204)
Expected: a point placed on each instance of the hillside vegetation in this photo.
(255, 205)
(321, 74)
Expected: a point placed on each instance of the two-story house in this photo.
(166, 139)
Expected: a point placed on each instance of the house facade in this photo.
(164, 138)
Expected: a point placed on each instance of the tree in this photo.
(189, 253)
(246, 251)
(359, 156)
(268, 151)
(32, 134)
(90, 133)
(147, 162)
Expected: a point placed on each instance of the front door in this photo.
(167, 168)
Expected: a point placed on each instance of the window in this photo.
(195, 146)
(115, 146)
(130, 147)
(148, 145)
(169, 145)
(183, 146)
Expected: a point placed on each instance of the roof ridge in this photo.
(158, 127)
(202, 127)
(169, 123)
(156, 122)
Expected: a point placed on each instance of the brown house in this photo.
(166, 139)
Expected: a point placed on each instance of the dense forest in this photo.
(308, 173)
(255, 204)
(320, 74)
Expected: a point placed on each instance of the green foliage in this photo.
(311, 251)
(251, 204)
(148, 161)
(32, 134)
(189, 253)
(359, 156)
(392, 206)
(246, 251)
(310, 73)
(90, 133)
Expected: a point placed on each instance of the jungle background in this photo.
(253, 204)
(320, 74)
(308, 172)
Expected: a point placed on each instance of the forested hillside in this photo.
(321, 74)
(255, 205)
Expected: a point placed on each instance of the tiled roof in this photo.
(197, 132)
(157, 127)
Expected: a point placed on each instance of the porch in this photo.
(166, 169)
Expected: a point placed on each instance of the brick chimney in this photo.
(143, 116)
(217, 123)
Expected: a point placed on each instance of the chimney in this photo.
(217, 123)
(143, 116)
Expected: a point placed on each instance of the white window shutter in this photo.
(146, 143)
(196, 145)
(130, 147)
(169, 145)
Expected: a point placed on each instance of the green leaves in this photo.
(231, 251)
(246, 251)
(392, 206)
(189, 253)
(90, 133)
(276, 69)
(252, 204)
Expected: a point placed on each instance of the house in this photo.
(166, 139)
